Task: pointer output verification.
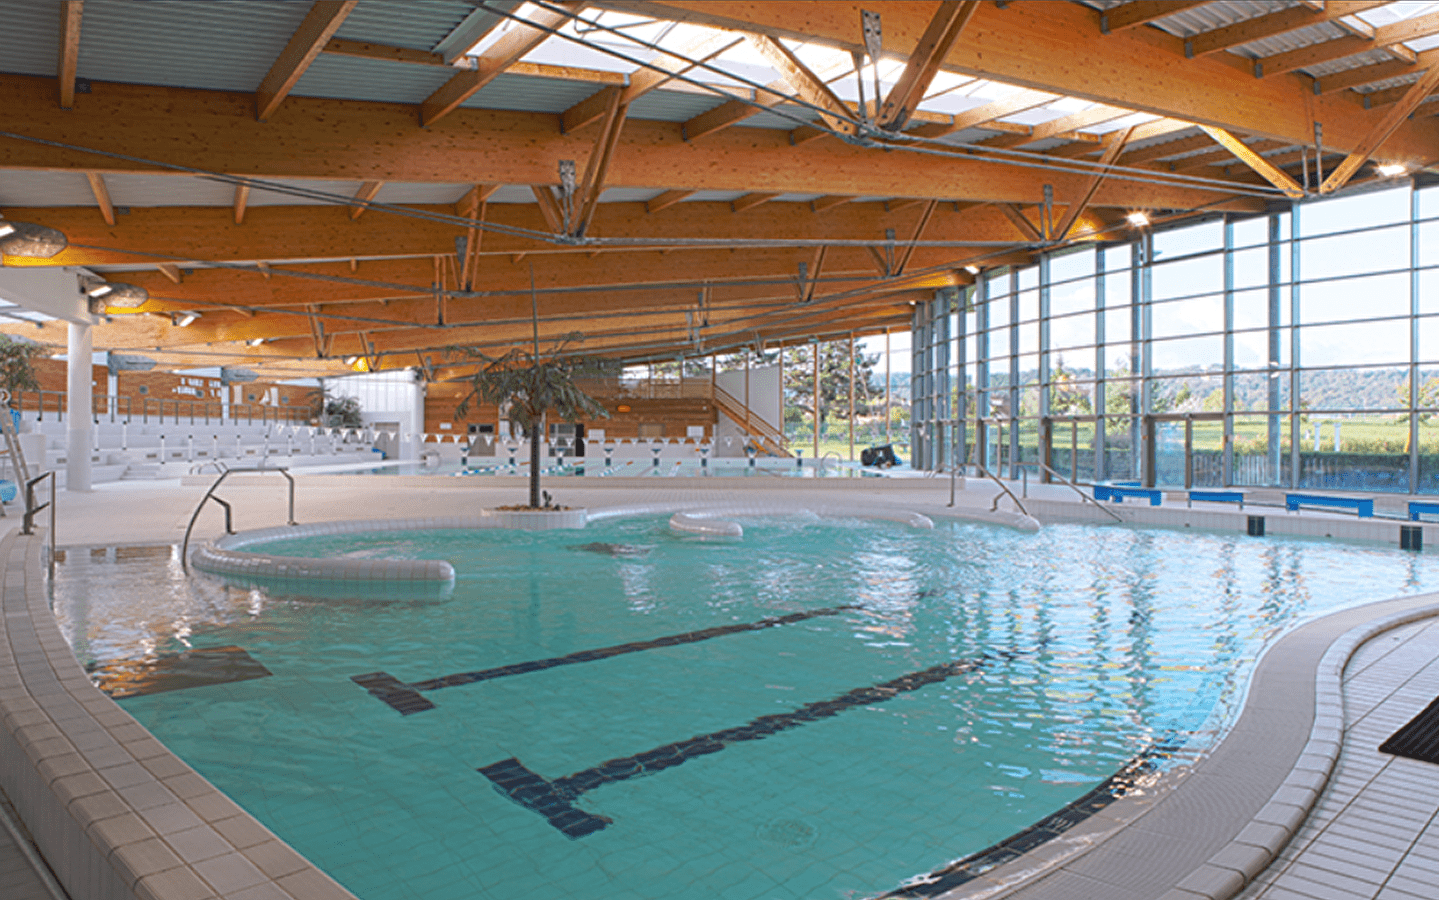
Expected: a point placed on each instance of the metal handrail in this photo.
(994, 507)
(210, 495)
(839, 460)
(28, 522)
(1082, 495)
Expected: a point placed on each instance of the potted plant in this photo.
(528, 386)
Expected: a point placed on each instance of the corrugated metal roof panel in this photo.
(1397, 81)
(45, 189)
(416, 24)
(1217, 15)
(792, 117)
(673, 106)
(167, 190)
(1368, 58)
(410, 192)
(30, 40)
(334, 193)
(530, 94)
(347, 78)
(513, 193)
(628, 195)
(714, 196)
(1294, 40)
(217, 46)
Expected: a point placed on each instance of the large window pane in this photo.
(1354, 343)
(1357, 389)
(1259, 445)
(1354, 254)
(997, 343)
(1029, 278)
(1429, 243)
(1354, 453)
(1076, 296)
(1429, 202)
(1192, 393)
(1195, 315)
(1358, 211)
(1070, 398)
(1429, 291)
(1071, 331)
(1200, 275)
(1251, 309)
(1116, 324)
(1188, 353)
(1250, 232)
(1117, 288)
(1116, 258)
(1063, 267)
(1028, 306)
(1029, 337)
(1188, 239)
(1251, 268)
(1251, 349)
(1376, 296)
(1261, 391)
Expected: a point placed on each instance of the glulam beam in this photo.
(319, 25)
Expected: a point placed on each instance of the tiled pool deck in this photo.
(1209, 828)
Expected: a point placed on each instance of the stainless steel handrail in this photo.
(1082, 495)
(210, 495)
(993, 507)
(28, 522)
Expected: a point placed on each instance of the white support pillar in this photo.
(79, 407)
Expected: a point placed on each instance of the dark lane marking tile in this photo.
(553, 799)
(1116, 787)
(1418, 739)
(193, 668)
(399, 694)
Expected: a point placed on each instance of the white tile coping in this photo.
(115, 814)
(695, 511)
(1235, 851)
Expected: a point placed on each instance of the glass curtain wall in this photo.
(1297, 349)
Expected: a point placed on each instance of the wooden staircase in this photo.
(765, 436)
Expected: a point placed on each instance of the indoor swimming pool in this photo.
(823, 708)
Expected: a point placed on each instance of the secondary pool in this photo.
(825, 708)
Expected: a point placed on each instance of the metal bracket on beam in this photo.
(1318, 154)
(874, 46)
(567, 191)
(1046, 214)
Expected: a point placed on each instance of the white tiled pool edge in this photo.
(116, 814)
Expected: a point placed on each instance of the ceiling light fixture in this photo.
(30, 240)
(183, 319)
(973, 270)
(116, 294)
(254, 342)
(1391, 170)
(1138, 218)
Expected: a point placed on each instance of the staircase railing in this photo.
(771, 439)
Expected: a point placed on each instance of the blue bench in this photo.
(1117, 493)
(1417, 507)
(1217, 497)
(1365, 508)
(1101, 491)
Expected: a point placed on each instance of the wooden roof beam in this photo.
(1141, 12)
(918, 234)
(102, 196)
(1386, 37)
(1376, 99)
(1273, 25)
(700, 50)
(750, 201)
(981, 116)
(1221, 156)
(1078, 206)
(1362, 75)
(1267, 170)
(71, 12)
(171, 271)
(665, 200)
(549, 207)
(934, 45)
(1417, 94)
(824, 204)
(320, 24)
(1021, 221)
(363, 196)
(519, 40)
(598, 164)
(808, 86)
(468, 204)
(732, 111)
(1058, 127)
(242, 200)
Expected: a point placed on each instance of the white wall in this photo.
(388, 397)
(764, 404)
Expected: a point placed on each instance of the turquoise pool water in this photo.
(1017, 671)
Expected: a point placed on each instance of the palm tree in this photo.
(526, 386)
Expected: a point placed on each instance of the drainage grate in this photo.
(1419, 739)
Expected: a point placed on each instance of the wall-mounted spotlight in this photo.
(182, 319)
(254, 342)
(30, 240)
(1137, 219)
(973, 270)
(1392, 170)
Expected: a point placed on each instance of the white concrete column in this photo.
(79, 408)
(412, 423)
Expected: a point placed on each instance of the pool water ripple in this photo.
(1095, 642)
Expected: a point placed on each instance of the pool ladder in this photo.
(229, 529)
